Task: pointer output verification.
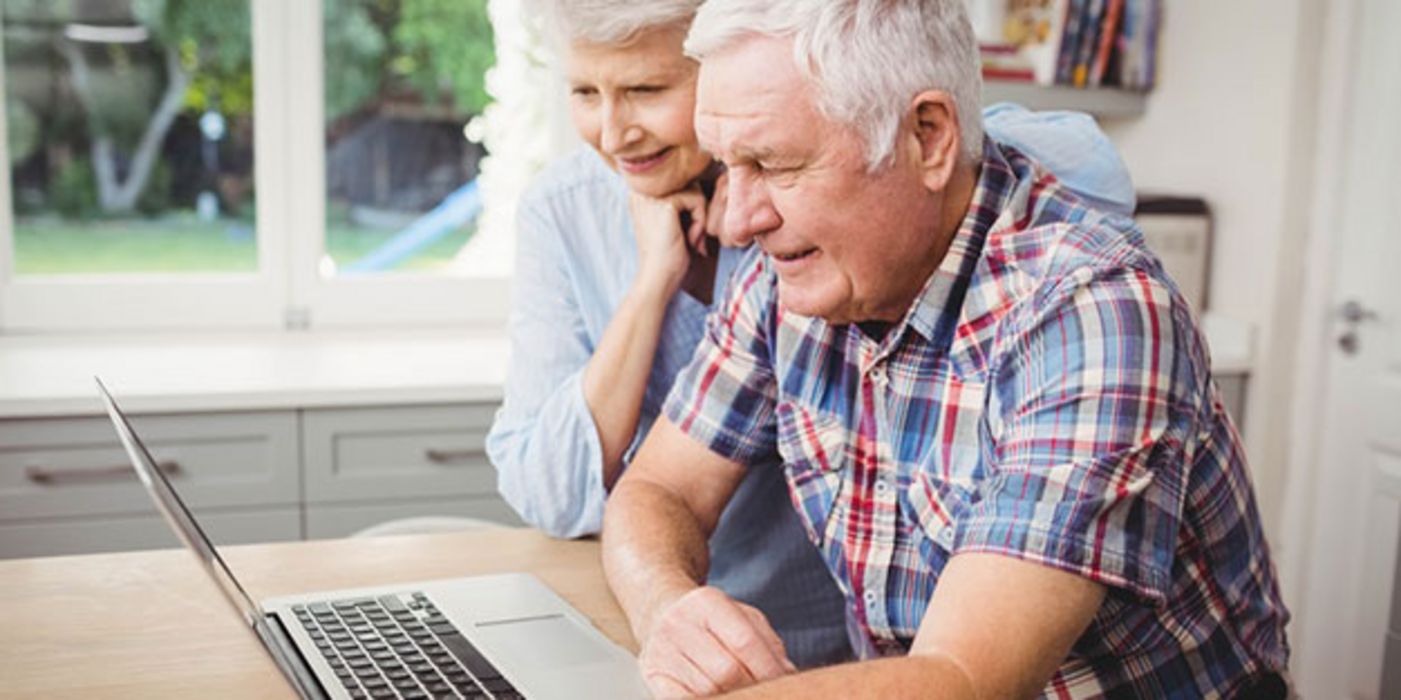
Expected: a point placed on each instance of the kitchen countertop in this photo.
(52, 375)
(165, 373)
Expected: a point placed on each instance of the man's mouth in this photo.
(793, 256)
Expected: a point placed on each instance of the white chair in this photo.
(425, 525)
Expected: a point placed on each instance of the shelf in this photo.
(1100, 102)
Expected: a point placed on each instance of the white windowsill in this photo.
(179, 372)
(163, 373)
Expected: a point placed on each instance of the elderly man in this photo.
(992, 407)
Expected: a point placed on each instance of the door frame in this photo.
(1304, 501)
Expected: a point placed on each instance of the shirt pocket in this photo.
(937, 505)
(940, 499)
(816, 451)
(945, 483)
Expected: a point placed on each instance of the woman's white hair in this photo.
(868, 58)
(611, 21)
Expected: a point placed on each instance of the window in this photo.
(404, 83)
(251, 163)
(130, 137)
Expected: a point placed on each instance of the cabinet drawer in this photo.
(87, 536)
(76, 466)
(331, 521)
(363, 454)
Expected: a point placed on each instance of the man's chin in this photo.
(803, 302)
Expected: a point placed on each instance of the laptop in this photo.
(498, 637)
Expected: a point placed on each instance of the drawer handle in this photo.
(452, 456)
(45, 475)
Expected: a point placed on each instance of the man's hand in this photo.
(694, 639)
(705, 643)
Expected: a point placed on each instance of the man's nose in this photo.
(619, 127)
(749, 212)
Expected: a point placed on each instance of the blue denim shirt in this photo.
(575, 261)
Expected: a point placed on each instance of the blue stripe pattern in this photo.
(1047, 397)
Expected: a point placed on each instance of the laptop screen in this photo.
(177, 514)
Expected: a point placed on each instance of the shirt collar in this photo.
(936, 312)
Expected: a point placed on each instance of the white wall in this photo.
(1232, 120)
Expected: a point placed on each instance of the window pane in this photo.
(130, 133)
(404, 83)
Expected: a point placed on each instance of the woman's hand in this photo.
(664, 250)
(715, 210)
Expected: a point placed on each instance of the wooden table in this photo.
(152, 625)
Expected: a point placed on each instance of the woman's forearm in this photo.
(615, 378)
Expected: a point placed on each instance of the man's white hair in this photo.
(611, 21)
(868, 58)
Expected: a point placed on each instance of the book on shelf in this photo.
(1086, 43)
(1070, 42)
(1005, 63)
(1079, 43)
(1034, 29)
(1108, 32)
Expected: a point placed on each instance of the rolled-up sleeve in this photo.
(544, 442)
(1089, 419)
(725, 398)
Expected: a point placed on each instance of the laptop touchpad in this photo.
(549, 642)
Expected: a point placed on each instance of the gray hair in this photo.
(611, 21)
(868, 58)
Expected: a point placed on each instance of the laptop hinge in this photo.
(285, 654)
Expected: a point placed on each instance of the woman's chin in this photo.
(655, 184)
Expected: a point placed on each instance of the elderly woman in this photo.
(613, 281)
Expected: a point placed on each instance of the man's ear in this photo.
(934, 118)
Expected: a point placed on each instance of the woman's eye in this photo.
(646, 89)
(583, 92)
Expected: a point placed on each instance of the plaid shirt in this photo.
(1046, 397)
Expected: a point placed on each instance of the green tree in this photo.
(444, 47)
(203, 43)
(355, 45)
(439, 48)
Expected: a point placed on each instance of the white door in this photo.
(1346, 613)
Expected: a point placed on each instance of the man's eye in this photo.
(583, 92)
(782, 175)
(646, 89)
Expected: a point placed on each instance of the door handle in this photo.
(1353, 314)
(53, 475)
(438, 456)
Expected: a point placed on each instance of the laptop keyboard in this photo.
(400, 646)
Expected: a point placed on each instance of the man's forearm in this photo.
(915, 676)
(654, 550)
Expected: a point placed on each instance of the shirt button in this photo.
(878, 374)
(882, 486)
(870, 596)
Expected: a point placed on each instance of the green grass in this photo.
(183, 243)
(57, 247)
(347, 243)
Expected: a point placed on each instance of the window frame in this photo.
(286, 291)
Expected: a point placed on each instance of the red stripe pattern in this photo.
(1046, 397)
